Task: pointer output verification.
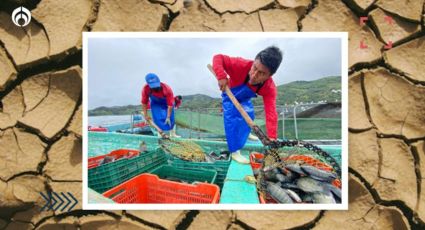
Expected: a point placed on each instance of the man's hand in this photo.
(167, 121)
(147, 117)
(222, 84)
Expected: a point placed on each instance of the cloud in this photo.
(117, 66)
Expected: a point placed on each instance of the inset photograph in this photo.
(215, 121)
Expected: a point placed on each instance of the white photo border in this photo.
(344, 125)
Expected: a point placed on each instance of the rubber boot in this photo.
(252, 137)
(173, 134)
(236, 156)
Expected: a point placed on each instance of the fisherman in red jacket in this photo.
(247, 79)
(177, 101)
(161, 99)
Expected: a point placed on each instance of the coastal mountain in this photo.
(325, 89)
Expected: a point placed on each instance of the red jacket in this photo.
(237, 69)
(165, 93)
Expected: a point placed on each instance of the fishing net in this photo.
(279, 154)
(185, 150)
(303, 155)
(308, 160)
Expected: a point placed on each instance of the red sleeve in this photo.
(145, 95)
(168, 93)
(269, 93)
(235, 67)
(219, 65)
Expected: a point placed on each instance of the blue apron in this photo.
(236, 128)
(159, 109)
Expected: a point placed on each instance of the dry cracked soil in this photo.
(41, 114)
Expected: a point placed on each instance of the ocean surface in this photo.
(109, 120)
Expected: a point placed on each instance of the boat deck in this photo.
(236, 190)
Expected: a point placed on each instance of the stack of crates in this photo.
(220, 166)
(107, 176)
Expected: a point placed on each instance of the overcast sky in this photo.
(117, 66)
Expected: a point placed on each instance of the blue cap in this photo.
(153, 80)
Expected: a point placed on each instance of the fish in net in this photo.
(297, 172)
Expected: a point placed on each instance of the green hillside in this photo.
(198, 101)
(297, 91)
(307, 91)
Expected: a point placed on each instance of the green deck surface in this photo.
(236, 190)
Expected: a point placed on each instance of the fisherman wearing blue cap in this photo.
(161, 100)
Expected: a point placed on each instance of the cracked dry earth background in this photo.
(41, 98)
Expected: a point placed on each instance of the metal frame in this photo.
(206, 110)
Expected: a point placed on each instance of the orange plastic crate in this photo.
(252, 157)
(148, 188)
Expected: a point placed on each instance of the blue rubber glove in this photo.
(167, 121)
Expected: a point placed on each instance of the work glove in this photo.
(167, 121)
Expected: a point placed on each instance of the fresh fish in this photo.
(294, 195)
(281, 178)
(308, 184)
(279, 194)
(291, 175)
(283, 170)
(225, 152)
(317, 178)
(270, 176)
(338, 200)
(269, 168)
(336, 191)
(284, 179)
(107, 159)
(308, 198)
(258, 160)
(323, 198)
(318, 174)
(275, 175)
(215, 156)
(143, 147)
(288, 186)
(276, 170)
(295, 168)
(209, 159)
